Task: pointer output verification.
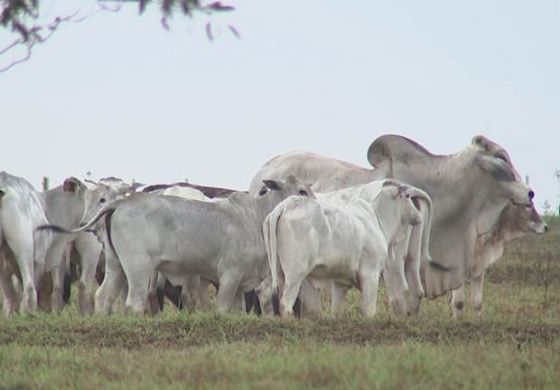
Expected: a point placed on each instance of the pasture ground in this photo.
(516, 343)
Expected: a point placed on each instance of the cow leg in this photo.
(477, 284)
(114, 282)
(89, 250)
(57, 275)
(44, 292)
(397, 289)
(203, 294)
(240, 301)
(292, 286)
(153, 302)
(412, 265)
(227, 293)
(137, 296)
(457, 301)
(310, 298)
(139, 275)
(264, 295)
(189, 291)
(369, 284)
(29, 295)
(86, 287)
(338, 297)
(10, 301)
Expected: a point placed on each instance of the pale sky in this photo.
(118, 95)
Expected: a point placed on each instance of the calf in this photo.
(515, 221)
(346, 242)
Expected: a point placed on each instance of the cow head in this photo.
(290, 186)
(400, 202)
(274, 191)
(101, 194)
(498, 170)
(517, 221)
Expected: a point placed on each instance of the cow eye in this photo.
(263, 191)
(501, 157)
(102, 200)
(303, 192)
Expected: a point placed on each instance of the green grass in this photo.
(515, 344)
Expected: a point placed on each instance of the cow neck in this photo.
(446, 181)
(265, 205)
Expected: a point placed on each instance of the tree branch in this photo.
(35, 36)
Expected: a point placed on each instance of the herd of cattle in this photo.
(308, 225)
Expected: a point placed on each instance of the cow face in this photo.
(497, 168)
(519, 220)
(275, 191)
(406, 204)
(290, 186)
(103, 193)
(396, 208)
(96, 198)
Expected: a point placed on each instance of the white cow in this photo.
(221, 241)
(88, 247)
(23, 251)
(194, 289)
(469, 189)
(27, 252)
(514, 222)
(346, 242)
(405, 244)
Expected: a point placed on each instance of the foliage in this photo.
(23, 19)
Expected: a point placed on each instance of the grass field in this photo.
(516, 343)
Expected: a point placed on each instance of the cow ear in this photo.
(272, 185)
(416, 202)
(71, 185)
(90, 184)
(496, 167)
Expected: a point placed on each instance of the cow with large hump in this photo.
(349, 242)
(469, 190)
(220, 241)
(515, 221)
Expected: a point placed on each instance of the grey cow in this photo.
(469, 189)
(220, 241)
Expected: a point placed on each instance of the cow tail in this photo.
(271, 244)
(58, 229)
(427, 227)
(108, 218)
